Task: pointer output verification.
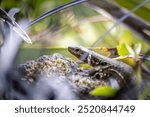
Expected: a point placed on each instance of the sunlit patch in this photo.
(88, 33)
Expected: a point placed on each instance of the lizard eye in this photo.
(77, 50)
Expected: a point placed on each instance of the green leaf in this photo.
(122, 50)
(107, 91)
(130, 50)
(138, 49)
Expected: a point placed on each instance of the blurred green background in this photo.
(78, 25)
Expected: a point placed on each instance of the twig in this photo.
(136, 24)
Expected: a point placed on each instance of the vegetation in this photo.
(86, 25)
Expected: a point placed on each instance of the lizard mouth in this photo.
(76, 51)
(73, 50)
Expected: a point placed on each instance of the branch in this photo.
(134, 23)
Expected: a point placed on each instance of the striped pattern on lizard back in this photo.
(104, 64)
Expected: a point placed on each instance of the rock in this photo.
(62, 68)
(46, 65)
(51, 76)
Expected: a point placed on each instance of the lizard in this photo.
(122, 72)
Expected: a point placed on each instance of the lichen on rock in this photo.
(46, 65)
(62, 68)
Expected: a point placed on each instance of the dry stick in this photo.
(111, 9)
(51, 12)
(132, 22)
(15, 26)
(55, 10)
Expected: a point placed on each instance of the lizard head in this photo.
(80, 52)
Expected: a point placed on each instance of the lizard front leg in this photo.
(107, 73)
